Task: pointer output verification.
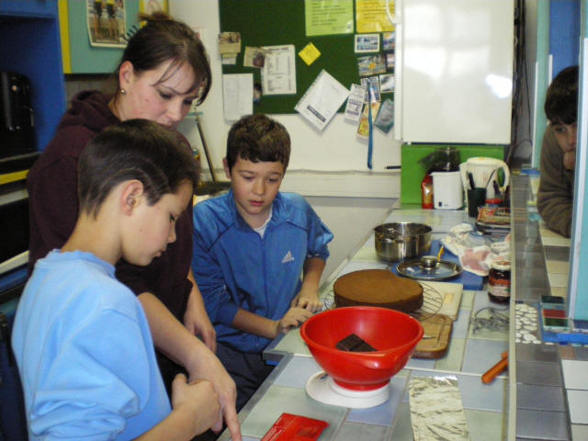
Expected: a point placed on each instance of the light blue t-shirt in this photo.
(85, 353)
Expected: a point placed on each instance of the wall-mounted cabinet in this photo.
(28, 8)
(79, 56)
(29, 32)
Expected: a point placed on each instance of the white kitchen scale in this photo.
(321, 387)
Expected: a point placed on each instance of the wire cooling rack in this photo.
(432, 302)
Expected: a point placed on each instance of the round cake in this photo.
(378, 287)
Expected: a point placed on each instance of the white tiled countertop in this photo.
(551, 379)
(471, 352)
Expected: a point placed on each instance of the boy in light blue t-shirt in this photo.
(81, 339)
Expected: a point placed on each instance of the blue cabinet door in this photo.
(29, 32)
(29, 8)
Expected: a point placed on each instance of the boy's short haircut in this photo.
(134, 149)
(258, 138)
(561, 101)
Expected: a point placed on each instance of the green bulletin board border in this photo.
(281, 22)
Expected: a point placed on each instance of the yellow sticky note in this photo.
(309, 54)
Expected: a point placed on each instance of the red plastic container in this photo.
(393, 334)
(427, 192)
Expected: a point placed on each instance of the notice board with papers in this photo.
(279, 22)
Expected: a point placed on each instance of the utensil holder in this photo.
(476, 199)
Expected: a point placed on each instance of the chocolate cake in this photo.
(378, 287)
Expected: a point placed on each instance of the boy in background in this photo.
(251, 247)
(81, 338)
(555, 198)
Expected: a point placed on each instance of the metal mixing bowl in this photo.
(402, 240)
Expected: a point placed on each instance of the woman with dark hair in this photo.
(164, 68)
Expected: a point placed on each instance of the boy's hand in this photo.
(199, 400)
(210, 368)
(196, 319)
(293, 318)
(308, 300)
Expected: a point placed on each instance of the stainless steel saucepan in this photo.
(402, 240)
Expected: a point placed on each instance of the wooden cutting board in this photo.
(436, 338)
(451, 296)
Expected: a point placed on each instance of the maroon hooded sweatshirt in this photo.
(53, 206)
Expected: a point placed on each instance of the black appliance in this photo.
(17, 133)
(14, 236)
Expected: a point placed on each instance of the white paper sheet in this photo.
(355, 102)
(237, 95)
(322, 100)
(278, 75)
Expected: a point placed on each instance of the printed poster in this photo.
(106, 21)
(371, 16)
(322, 100)
(237, 95)
(278, 74)
(151, 6)
(328, 17)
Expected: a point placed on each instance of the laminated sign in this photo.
(322, 100)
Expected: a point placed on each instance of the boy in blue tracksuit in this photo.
(251, 247)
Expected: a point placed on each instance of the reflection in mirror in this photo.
(551, 43)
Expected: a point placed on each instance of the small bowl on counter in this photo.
(398, 241)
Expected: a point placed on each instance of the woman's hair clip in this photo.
(131, 32)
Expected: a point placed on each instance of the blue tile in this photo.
(581, 353)
(481, 300)
(297, 372)
(485, 426)
(481, 355)
(479, 396)
(354, 432)
(384, 413)
(541, 352)
(537, 372)
(420, 363)
(552, 426)
(535, 397)
(581, 325)
(402, 430)
(460, 326)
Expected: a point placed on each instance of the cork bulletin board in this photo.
(279, 22)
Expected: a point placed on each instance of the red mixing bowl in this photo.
(393, 334)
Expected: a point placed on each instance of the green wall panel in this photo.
(413, 172)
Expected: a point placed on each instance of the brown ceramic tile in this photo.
(567, 352)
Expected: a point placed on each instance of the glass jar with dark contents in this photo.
(499, 281)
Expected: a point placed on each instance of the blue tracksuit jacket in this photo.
(235, 268)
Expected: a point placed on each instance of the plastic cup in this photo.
(476, 199)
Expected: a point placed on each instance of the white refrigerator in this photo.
(454, 72)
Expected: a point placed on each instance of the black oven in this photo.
(14, 223)
(14, 234)
(17, 133)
